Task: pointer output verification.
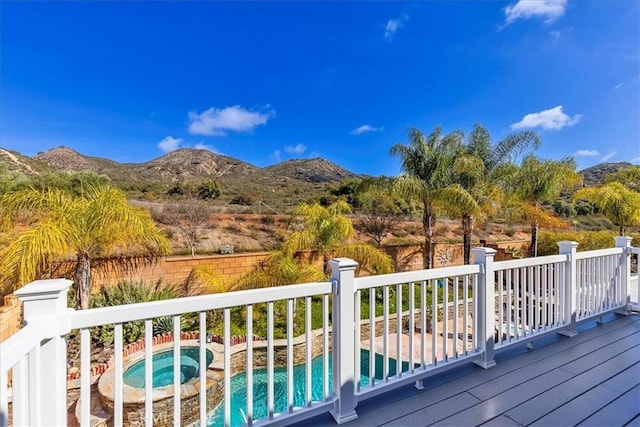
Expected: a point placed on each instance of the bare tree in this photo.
(190, 218)
(379, 215)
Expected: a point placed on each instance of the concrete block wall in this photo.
(10, 317)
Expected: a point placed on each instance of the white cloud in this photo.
(619, 85)
(635, 160)
(203, 146)
(277, 155)
(295, 149)
(608, 156)
(586, 153)
(524, 9)
(366, 128)
(393, 25)
(215, 122)
(170, 144)
(551, 119)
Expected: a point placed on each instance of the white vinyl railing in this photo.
(367, 335)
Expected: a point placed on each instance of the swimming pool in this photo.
(162, 366)
(239, 387)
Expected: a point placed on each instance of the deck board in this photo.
(619, 412)
(591, 378)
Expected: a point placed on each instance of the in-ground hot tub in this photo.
(133, 395)
(162, 368)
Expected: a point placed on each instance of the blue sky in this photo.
(271, 81)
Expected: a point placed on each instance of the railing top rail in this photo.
(177, 306)
(635, 250)
(17, 345)
(528, 262)
(414, 276)
(598, 253)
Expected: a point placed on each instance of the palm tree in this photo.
(478, 169)
(99, 223)
(629, 176)
(616, 201)
(535, 182)
(328, 230)
(427, 164)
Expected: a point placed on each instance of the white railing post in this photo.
(624, 242)
(343, 337)
(45, 305)
(570, 302)
(486, 305)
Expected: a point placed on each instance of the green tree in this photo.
(98, 224)
(615, 201)
(535, 182)
(478, 171)
(427, 165)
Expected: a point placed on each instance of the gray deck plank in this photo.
(436, 412)
(619, 412)
(535, 380)
(533, 409)
(593, 400)
(499, 404)
(501, 421)
(598, 355)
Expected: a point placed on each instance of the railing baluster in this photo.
(510, 301)
(85, 377)
(399, 330)
(4, 399)
(117, 393)
(385, 334)
(538, 299)
(501, 314)
(35, 388)
(308, 347)
(249, 367)
(20, 398)
(325, 347)
(530, 292)
(290, 306)
(203, 367)
(456, 317)
(423, 323)
(227, 369)
(372, 337)
(148, 372)
(358, 330)
(177, 389)
(445, 318)
(434, 322)
(465, 312)
(270, 403)
(412, 324)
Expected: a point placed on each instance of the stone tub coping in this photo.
(106, 383)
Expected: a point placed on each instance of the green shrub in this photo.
(587, 240)
(131, 292)
(209, 190)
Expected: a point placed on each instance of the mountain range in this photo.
(290, 182)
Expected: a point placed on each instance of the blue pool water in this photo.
(162, 366)
(239, 387)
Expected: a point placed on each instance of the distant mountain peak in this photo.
(595, 175)
(312, 170)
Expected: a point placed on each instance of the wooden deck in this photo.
(592, 379)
